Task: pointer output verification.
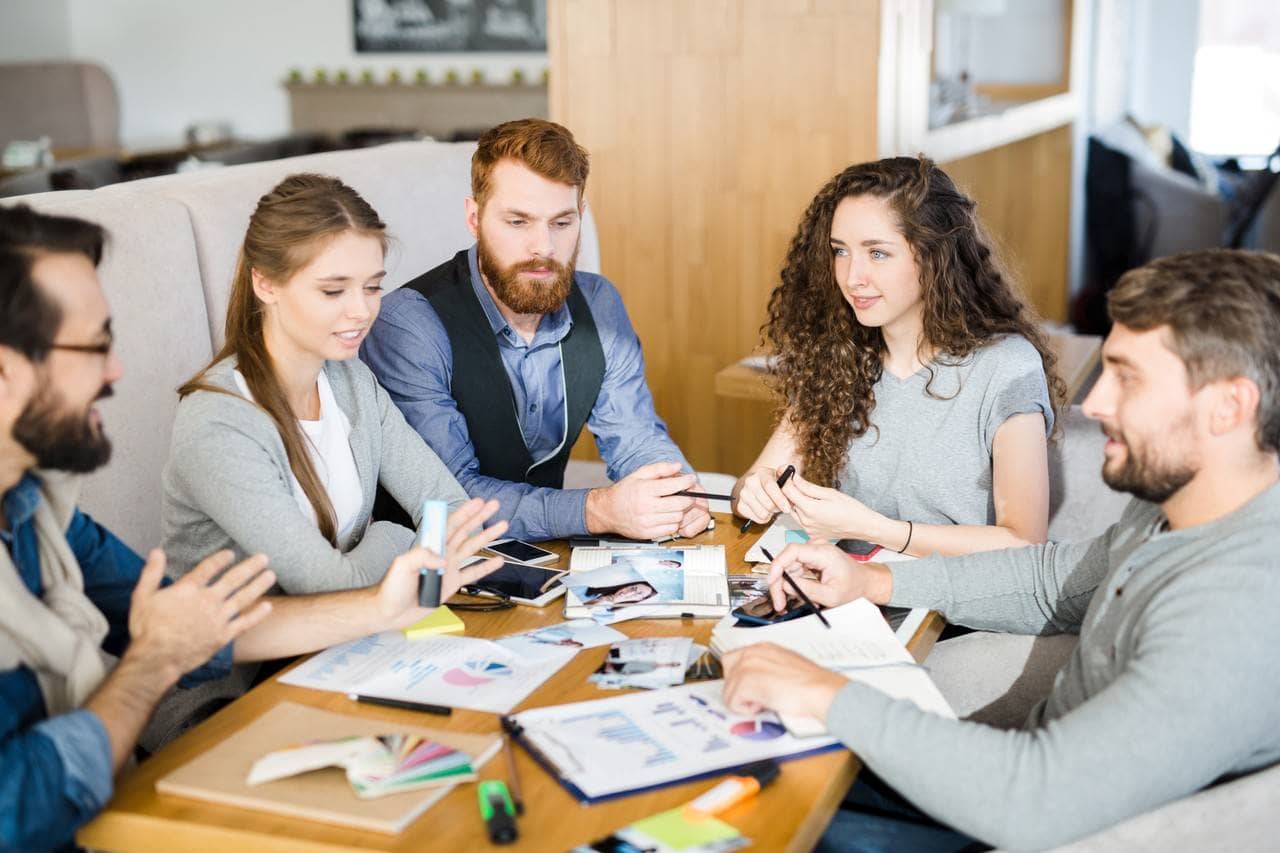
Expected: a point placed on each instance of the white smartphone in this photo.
(521, 551)
(522, 583)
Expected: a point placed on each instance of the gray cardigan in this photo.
(227, 484)
(1171, 687)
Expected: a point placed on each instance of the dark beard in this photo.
(1147, 480)
(525, 297)
(63, 442)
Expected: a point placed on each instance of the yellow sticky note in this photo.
(442, 620)
(677, 830)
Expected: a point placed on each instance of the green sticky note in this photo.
(677, 830)
(796, 536)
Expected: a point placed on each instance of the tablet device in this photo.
(520, 582)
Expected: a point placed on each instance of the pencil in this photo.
(800, 592)
(711, 496)
(516, 796)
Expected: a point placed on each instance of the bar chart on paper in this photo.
(626, 743)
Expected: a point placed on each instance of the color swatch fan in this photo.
(375, 765)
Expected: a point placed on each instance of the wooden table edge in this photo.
(135, 830)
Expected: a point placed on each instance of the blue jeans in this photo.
(875, 818)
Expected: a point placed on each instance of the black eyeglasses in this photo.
(102, 348)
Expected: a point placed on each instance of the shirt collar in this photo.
(552, 329)
(20, 503)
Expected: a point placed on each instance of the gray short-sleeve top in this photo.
(927, 456)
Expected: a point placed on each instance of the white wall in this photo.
(1166, 35)
(34, 29)
(177, 62)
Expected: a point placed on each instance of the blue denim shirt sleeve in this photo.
(57, 771)
(624, 422)
(408, 350)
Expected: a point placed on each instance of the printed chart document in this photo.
(859, 644)
(460, 672)
(609, 747)
(605, 583)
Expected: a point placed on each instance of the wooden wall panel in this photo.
(710, 124)
(1023, 192)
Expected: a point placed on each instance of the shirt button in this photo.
(533, 407)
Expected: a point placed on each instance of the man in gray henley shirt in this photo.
(1176, 605)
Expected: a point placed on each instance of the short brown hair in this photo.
(546, 148)
(1222, 307)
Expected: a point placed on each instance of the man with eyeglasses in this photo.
(74, 598)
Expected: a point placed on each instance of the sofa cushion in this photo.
(1237, 815)
(152, 281)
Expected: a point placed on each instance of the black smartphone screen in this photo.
(517, 550)
(856, 547)
(517, 581)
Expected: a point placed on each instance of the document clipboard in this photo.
(658, 731)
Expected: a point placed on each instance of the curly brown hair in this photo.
(828, 363)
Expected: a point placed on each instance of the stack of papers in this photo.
(860, 644)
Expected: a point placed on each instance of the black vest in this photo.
(480, 386)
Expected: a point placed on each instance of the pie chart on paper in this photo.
(758, 729)
(474, 673)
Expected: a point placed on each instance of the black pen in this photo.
(786, 576)
(782, 481)
(708, 495)
(403, 705)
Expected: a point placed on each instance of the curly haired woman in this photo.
(918, 390)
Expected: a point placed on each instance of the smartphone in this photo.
(520, 551)
(759, 611)
(859, 549)
(523, 583)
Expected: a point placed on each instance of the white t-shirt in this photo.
(329, 444)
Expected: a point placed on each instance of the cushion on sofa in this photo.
(418, 189)
(152, 281)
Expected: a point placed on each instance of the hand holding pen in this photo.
(760, 498)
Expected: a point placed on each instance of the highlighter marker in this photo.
(431, 535)
(735, 789)
(497, 811)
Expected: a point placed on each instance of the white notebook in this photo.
(660, 582)
(859, 644)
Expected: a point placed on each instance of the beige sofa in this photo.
(167, 271)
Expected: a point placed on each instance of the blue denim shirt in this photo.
(409, 351)
(57, 770)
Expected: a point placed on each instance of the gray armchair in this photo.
(73, 103)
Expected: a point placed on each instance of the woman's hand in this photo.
(398, 592)
(831, 514)
(756, 495)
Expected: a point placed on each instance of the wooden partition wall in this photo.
(1023, 192)
(710, 125)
